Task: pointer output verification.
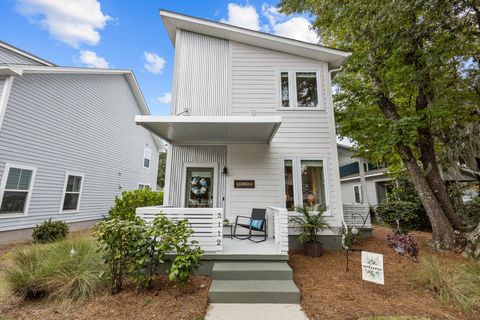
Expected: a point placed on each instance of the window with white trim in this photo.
(143, 186)
(357, 194)
(72, 192)
(304, 183)
(17, 185)
(147, 155)
(299, 90)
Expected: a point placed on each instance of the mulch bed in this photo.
(328, 292)
(164, 301)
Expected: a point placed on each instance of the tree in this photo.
(162, 160)
(406, 79)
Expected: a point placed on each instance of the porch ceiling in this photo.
(212, 129)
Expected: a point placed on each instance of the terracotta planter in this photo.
(314, 249)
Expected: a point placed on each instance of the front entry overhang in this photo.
(212, 129)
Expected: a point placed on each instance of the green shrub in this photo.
(457, 283)
(117, 239)
(406, 213)
(188, 254)
(69, 270)
(50, 231)
(471, 211)
(125, 206)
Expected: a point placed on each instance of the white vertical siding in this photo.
(9, 57)
(80, 123)
(201, 75)
(302, 133)
(180, 155)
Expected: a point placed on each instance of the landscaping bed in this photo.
(164, 301)
(328, 292)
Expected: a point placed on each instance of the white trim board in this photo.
(7, 88)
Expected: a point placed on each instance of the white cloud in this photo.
(166, 98)
(71, 21)
(296, 28)
(153, 62)
(243, 16)
(90, 59)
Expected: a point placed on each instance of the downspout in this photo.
(344, 224)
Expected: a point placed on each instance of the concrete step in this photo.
(253, 291)
(261, 270)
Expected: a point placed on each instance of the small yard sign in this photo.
(372, 267)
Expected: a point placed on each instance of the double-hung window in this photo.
(305, 185)
(16, 189)
(299, 90)
(143, 186)
(357, 194)
(72, 192)
(147, 155)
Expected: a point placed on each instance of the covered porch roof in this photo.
(212, 129)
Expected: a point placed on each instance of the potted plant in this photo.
(310, 223)
(226, 222)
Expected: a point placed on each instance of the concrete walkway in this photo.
(255, 311)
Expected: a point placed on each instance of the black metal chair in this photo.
(256, 222)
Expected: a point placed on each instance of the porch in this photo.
(208, 231)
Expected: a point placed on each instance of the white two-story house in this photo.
(251, 119)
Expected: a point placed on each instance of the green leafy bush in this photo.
(188, 254)
(50, 231)
(309, 223)
(401, 216)
(117, 240)
(125, 206)
(458, 283)
(70, 269)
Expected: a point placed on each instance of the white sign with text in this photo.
(372, 267)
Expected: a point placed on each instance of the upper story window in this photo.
(143, 186)
(147, 155)
(72, 191)
(299, 90)
(16, 189)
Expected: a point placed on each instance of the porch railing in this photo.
(207, 223)
(280, 227)
(354, 215)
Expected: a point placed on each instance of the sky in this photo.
(125, 34)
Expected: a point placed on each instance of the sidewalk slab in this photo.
(256, 311)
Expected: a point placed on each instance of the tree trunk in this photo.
(429, 158)
(442, 231)
(434, 178)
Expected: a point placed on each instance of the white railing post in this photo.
(280, 226)
(207, 224)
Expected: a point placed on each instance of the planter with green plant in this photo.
(310, 223)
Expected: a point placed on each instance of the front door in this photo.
(199, 188)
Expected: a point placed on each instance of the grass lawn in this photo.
(328, 292)
(164, 301)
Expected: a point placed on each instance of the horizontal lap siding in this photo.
(302, 133)
(195, 154)
(80, 123)
(7, 56)
(201, 75)
(371, 185)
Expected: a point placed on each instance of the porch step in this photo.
(253, 291)
(262, 270)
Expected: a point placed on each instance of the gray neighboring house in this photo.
(68, 142)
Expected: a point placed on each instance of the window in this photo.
(285, 92)
(307, 95)
(357, 194)
(313, 188)
(72, 191)
(16, 189)
(147, 155)
(304, 182)
(289, 191)
(143, 186)
(299, 90)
